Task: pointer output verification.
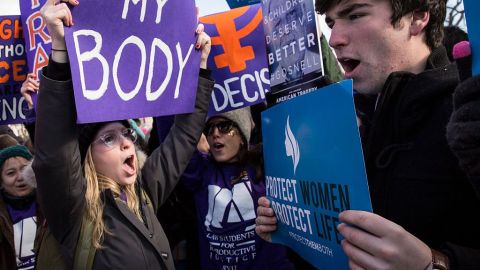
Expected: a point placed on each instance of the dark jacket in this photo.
(7, 245)
(414, 179)
(61, 185)
(463, 130)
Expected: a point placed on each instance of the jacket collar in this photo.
(148, 230)
(408, 98)
(438, 58)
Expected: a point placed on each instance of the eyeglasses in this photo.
(224, 127)
(112, 138)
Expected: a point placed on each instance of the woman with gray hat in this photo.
(227, 184)
(100, 202)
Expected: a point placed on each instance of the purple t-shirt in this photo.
(24, 230)
(226, 198)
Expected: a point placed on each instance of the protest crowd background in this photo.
(217, 167)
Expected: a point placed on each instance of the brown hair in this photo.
(7, 141)
(436, 8)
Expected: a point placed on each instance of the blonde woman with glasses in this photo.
(91, 174)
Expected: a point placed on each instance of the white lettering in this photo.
(88, 56)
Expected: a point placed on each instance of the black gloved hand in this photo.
(463, 129)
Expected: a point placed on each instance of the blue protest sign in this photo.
(241, 3)
(133, 59)
(472, 9)
(38, 43)
(238, 58)
(13, 72)
(314, 170)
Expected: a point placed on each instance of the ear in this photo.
(420, 20)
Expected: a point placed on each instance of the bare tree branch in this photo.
(455, 14)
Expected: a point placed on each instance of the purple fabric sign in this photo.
(37, 40)
(238, 58)
(133, 59)
(13, 71)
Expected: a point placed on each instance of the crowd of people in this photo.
(93, 196)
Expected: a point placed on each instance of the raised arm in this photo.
(57, 163)
(164, 167)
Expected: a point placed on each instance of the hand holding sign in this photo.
(56, 15)
(29, 86)
(380, 243)
(266, 220)
(203, 43)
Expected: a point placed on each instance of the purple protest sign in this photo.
(133, 59)
(13, 71)
(238, 58)
(37, 40)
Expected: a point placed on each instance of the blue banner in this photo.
(13, 72)
(241, 3)
(238, 58)
(472, 9)
(38, 43)
(314, 170)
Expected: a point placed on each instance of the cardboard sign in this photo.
(293, 45)
(133, 59)
(13, 72)
(238, 58)
(38, 43)
(472, 9)
(314, 170)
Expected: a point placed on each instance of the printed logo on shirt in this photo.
(232, 250)
(235, 245)
(24, 235)
(291, 145)
(229, 206)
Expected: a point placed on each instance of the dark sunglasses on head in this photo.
(224, 127)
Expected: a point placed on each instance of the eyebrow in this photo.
(347, 10)
(113, 129)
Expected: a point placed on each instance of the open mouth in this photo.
(218, 146)
(349, 64)
(129, 164)
(21, 186)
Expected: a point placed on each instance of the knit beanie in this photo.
(242, 117)
(14, 151)
(88, 132)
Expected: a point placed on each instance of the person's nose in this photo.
(338, 37)
(19, 177)
(215, 132)
(125, 143)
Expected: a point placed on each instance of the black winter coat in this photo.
(61, 185)
(7, 244)
(414, 179)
